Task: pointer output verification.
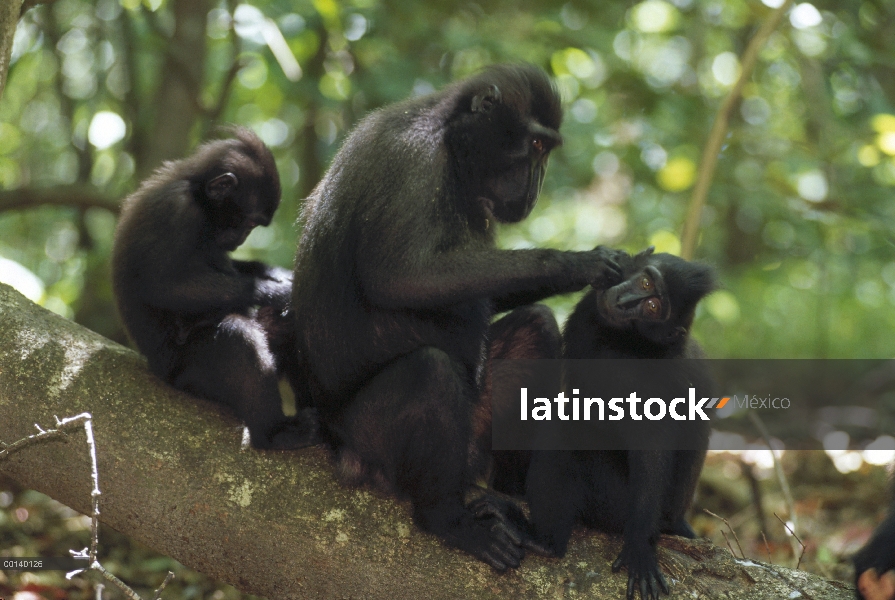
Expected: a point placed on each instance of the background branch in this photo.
(214, 112)
(29, 4)
(73, 196)
(719, 130)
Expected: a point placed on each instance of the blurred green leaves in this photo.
(799, 219)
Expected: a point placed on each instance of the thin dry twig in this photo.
(84, 420)
(127, 591)
(61, 428)
(734, 533)
(755, 489)
(766, 546)
(719, 130)
(158, 593)
(729, 547)
(793, 533)
(778, 471)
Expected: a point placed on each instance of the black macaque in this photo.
(400, 278)
(209, 325)
(875, 562)
(630, 491)
(517, 338)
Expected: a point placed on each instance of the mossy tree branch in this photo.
(277, 524)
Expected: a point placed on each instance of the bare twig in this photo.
(127, 591)
(94, 493)
(734, 533)
(729, 547)
(793, 533)
(158, 592)
(755, 488)
(84, 420)
(766, 546)
(778, 472)
(42, 434)
(719, 130)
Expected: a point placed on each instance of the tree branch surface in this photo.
(277, 524)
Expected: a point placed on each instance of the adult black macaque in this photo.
(636, 492)
(212, 326)
(516, 339)
(875, 562)
(400, 278)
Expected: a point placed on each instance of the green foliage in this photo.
(799, 217)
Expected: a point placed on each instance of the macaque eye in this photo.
(646, 284)
(653, 306)
(221, 187)
(538, 144)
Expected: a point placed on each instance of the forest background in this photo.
(799, 219)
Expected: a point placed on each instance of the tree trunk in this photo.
(277, 524)
(177, 106)
(9, 18)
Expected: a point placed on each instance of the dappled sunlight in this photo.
(798, 218)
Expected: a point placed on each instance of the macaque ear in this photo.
(221, 186)
(485, 101)
(646, 252)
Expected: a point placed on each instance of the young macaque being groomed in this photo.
(210, 325)
(630, 490)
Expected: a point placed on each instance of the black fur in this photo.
(879, 552)
(209, 325)
(517, 338)
(637, 493)
(400, 278)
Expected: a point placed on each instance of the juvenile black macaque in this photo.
(874, 563)
(636, 492)
(212, 326)
(400, 278)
